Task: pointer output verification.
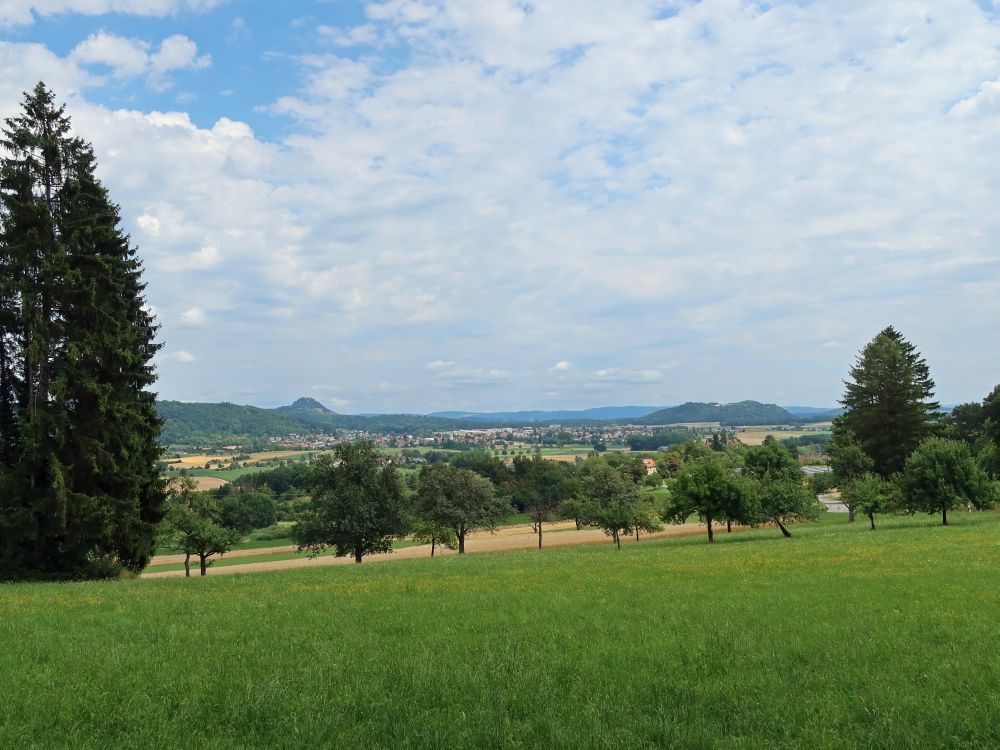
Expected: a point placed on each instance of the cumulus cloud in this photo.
(131, 58)
(490, 189)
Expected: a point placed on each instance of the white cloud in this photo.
(496, 190)
(149, 224)
(616, 375)
(560, 366)
(19, 12)
(131, 58)
(176, 52)
(180, 357)
(208, 256)
(127, 58)
(193, 317)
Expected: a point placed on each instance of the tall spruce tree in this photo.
(79, 490)
(888, 402)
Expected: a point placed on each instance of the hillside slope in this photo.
(740, 413)
(751, 643)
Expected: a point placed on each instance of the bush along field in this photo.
(839, 637)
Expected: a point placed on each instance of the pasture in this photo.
(836, 638)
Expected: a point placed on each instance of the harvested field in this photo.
(197, 461)
(209, 483)
(756, 435)
(507, 538)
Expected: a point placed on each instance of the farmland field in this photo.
(756, 435)
(836, 638)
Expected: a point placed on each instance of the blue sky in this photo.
(496, 204)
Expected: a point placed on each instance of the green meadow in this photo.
(837, 638)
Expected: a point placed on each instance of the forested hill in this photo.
(740, 413)
(214, 425)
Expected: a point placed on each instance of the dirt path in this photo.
(508, 538)
(177, 559)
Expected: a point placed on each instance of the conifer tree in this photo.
(888, 402)
(79, 490)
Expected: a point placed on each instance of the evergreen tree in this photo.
(888, 401)
(80, 489)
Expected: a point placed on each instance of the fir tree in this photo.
(78, 428)
(889, 401)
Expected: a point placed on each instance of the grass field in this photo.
(836, 638)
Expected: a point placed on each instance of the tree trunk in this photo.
(781, 526)
(711, 536)
(577, 520)
(871, 517)
(617, 537)
(461, 541)
(944, 516)
(539, 535)
(187, 564)
(204, 564)
(729, 526)
(433, 545)
(850, 514)
(637, 533)
(358, 553)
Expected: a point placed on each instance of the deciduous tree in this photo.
(434, 534)
(541, 486)
(192, 525)
(848, 460)
(941, 475)
(614, 502)
(460, 499)
(782, 491)
(870, 494)
(357, 507)
(713, 491)
(246, 511)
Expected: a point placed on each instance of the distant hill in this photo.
(305, 404)
(823, 416)
(809, 411)
(218, 424)
(214, 425)
(740, 413)
(610, 413)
